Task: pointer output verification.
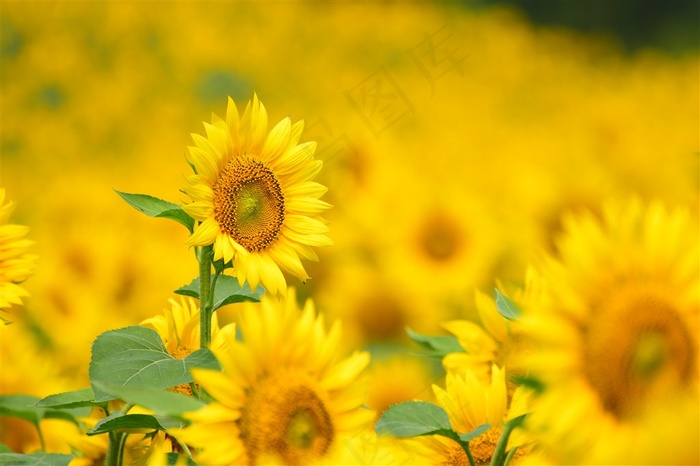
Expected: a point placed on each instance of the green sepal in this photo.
(129, 422)
(506, 307)
(474, 433)
(175, 459)
(35, 459)
(436, 346)
(135, 357)
(413, 418)
(154, 207)
(227, 291)
(530, 382)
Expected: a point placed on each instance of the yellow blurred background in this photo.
(453, 140)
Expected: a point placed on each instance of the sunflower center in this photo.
(440, 239)
(381, 317)
(456, 457)
(483, 446)
(285, 419)
(637, 346)
(249, 204)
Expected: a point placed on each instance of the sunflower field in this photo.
(405, 234)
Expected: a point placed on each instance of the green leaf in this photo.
(413, 418)
(35, 459)
(154, 207)
(134, 357)
(530, 382)
(437, 346)
(227, 291)
(161, 402)
(122, 422)
(21, 406)
(75, 399)
(474, 433)
(175, 459)
(24, 407)
(4, 448)
(506, 307)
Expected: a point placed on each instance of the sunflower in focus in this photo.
(253, 196)
(617, 330)
(16, 264)
(284, 396)
(470, 403)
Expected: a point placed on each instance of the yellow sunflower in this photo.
(253, 196)
(616, 328)
(16, 264)
(178, 327)
(283, 395)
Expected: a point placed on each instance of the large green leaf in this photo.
(506, 307)
(162, 403)
(128, 422)
(35, 459)
(227, 291)
(436, 346)
(154, 207)
(413, 418)
(134, 357)
(75, 399)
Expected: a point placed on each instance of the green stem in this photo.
(41, 436)
(499, 455)
(465, 445)
(114, 449)
(205, 295)
(510, 456)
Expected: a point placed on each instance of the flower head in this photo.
(253, 196)
(283, 397)
(16, 264)
(616, 327)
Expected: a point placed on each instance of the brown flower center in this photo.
(440, 239)
(284, 418)
(248, 203)
(637, 346)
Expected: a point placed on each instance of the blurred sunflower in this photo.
(253, 194)
(283, 396)
(617, 326)
(16, 264)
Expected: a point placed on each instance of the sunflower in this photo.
(283, 396)
(493, 340)
(16, 264)
(617, 326)
(178, 327)
(253, 196)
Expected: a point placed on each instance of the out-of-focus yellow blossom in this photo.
(398, 379)
(254, 197)
(16, 263)
(616, 329)
(284, 396)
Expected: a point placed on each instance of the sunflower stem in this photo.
(465, 445)
(499, 455)
(113, 450)
(510, 456)
(205, 295)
